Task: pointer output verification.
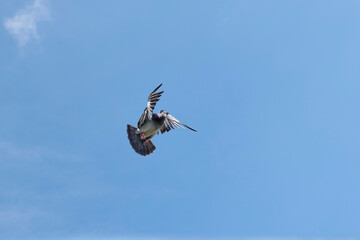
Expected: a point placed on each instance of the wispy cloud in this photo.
(23, 26)
(10, 151)
(19, 219)
(24, 172)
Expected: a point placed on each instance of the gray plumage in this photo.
(151, 124)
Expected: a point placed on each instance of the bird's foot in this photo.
(142, 136)
(145, 142)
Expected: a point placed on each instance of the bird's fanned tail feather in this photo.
(140, 146)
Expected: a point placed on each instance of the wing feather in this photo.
(172, 123)
(153, 98)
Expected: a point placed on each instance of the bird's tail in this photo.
(140, 146)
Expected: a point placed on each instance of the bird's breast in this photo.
(150, 128)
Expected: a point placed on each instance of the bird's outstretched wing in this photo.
(153, 98)
(171, 123)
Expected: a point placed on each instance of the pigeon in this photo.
(151, 124)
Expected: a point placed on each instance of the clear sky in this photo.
(271, 86)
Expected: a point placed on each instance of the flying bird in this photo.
(151, 124)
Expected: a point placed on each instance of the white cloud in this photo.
(23, 26)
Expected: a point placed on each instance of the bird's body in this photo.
(151, 127)
(151, 124)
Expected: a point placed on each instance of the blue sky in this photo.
(271, 86)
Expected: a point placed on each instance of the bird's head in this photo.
(163, 113)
